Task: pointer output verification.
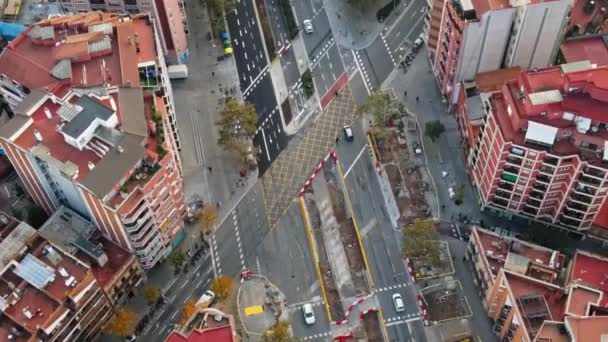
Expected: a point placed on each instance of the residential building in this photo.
(592, 48)
(527, 309)
(169, 18)
(542, 150)
(206, 324)
(103, 50)
(116, 270)
(95, 131)
(477, 36)
(470, 108)
(46, 294)
(490, 252)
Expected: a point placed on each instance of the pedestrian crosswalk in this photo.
(318, 336)
(391, 287)
(298, 306)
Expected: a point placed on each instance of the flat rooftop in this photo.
(592, 271)
(497, 249)
(593, 49)
(79, 237)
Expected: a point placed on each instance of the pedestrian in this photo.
(209, 168)
(337, 93)
(337, 139)
(405, 92)
(213, 73)
(417, 98)
(219, 204)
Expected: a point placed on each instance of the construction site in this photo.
(405, 176)
(344, 277)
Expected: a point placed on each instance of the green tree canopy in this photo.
(380, 106)
(237, 124)
(279, 332)
(434, 129)
(177, 259)
(420, 241)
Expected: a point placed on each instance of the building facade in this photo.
(479, 36)
(542, 150)
(169, 15)
(95, 131)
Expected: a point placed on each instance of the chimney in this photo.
(47, 112)
(119, 149)
(37, 135)
(91, 166)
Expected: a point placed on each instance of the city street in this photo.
(381, 241)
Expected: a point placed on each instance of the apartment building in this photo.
(117, 271)
(524, 308)
(45, 293)
(94, 132)
(475, 36)
(542, 150)
(489, 252)
(169, 18)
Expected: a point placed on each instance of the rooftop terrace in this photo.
(591, 270)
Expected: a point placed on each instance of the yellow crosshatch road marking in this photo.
(254, 310)
(292, 168)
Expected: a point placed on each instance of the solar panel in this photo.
(68, 111)
(35, 272)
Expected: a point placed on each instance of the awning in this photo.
(541, 133)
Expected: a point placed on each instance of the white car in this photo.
(398, 301)
(308, 26)
(309, 315)
(451, 192)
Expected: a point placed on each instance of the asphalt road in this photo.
(189, 284)
(277, 21)
(382, 56)
(381, 241)
(328, 69)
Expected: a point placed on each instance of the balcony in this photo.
(581, 198)
(505, 186)
(547, 169)
(543, 178)
(586, 190)
(594, 172)
(503, 194)
(500, 202)
(511, 169)
(530, 211)
(550, 161)
(591, 181)
(533, 202)
(536, 195)
(573, 214)
(514, 160)
(577, 206)
(569, 222)
(509, 177)
(539, 187)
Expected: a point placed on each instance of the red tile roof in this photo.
(219, 334)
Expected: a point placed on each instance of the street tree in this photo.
(152, 294)
(380, 106)
(237, 124)
(207, 218)
(279, 332)
(123, 324)
(420, 241)
(434, 129)
(222, 286)
(459, 198)
(177, 259)
(188, 309)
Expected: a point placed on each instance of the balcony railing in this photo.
(530, 211)
(514, 160)
(573, 214)
(500, 202)
(543, 178)
(511, 169)
(533, 202)
(581, 198)
(569, 221)
(589, 180)
(550, 161)
(536, 195)
(585, 190)
(505, 186)
(576, 206)
(503, 194)
(547, 169)
(539, 187)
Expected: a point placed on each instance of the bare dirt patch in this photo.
(331, 291)
(405, 177)
(348, 233)
(371, 323)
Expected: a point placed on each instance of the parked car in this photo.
(398, 301)
(348, 133)
(451, 192)
(309, 315)
(308, 26)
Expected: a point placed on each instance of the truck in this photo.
(178, 71)
(206, 299)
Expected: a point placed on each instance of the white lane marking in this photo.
(174, 314)
(403, 321)
(266, 145)
(355, 161)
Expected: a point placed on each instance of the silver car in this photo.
(309, 315)
(308, 26)
(398, 301)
